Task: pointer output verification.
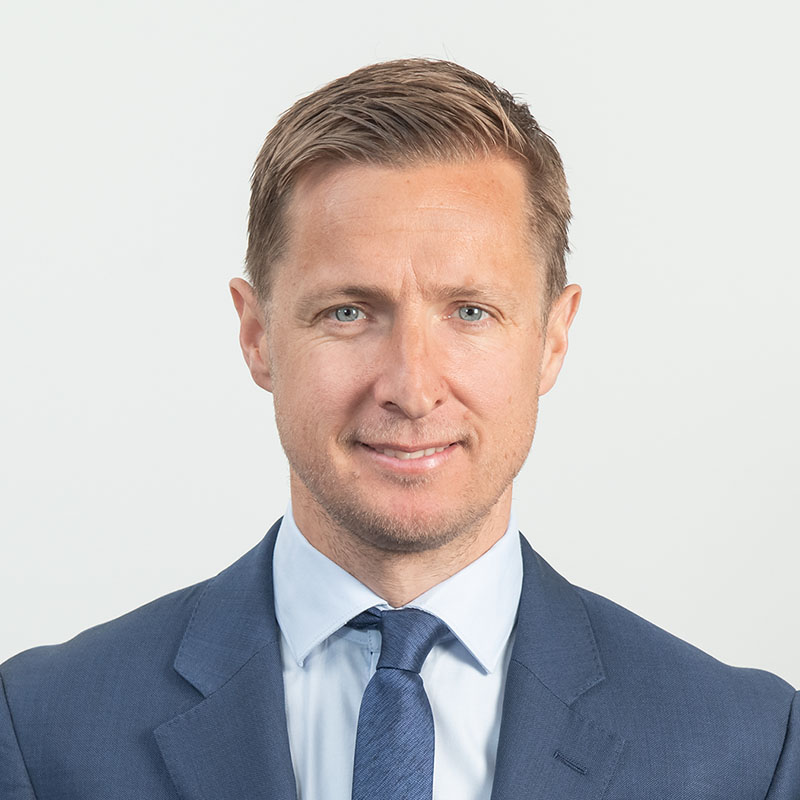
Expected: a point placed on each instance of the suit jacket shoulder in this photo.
(602, 705)
(98, 692)
(721, 726)
(81, 719)
(656, 661)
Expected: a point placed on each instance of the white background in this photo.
(137, 455)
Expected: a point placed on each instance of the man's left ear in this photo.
(252, 331)
(562, 312)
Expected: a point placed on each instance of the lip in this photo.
(405, 448)
(411, 466)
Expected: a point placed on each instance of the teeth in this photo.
(403, 456)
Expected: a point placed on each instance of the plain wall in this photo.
(139, 457)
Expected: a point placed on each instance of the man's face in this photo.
(404, 348)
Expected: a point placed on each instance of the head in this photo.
(408, 231)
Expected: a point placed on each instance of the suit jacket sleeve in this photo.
(786, 781)
(15, 784)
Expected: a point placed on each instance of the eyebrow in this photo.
(312, 300)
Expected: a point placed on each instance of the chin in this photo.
(410, 529)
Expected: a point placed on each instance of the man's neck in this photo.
(398, 577)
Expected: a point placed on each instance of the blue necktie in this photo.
(395, 740)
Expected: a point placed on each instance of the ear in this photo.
(562, 313)
(252, 331)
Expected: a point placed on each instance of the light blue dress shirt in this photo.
(326, 666)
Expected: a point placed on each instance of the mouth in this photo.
(415, 461)
(408, 452)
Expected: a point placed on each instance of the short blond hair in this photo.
(403, 113)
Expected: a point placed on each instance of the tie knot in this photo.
(407, 636)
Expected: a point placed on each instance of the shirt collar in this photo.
(315, 597)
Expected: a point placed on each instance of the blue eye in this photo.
(347, 313)
(471, 313)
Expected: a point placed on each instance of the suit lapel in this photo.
(234, 743)
(546, 749)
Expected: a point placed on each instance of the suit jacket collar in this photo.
(546, 748)
(554, 637)
(234, 619)
(234, 743)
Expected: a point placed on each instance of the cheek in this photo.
(499, 382)
(337, 375)
(318, 386)
(500, 396)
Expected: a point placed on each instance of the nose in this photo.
(410, 376)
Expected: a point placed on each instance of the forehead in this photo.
(462, 222)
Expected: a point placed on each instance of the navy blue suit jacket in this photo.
(183, 698)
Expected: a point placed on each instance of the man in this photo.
(393, 636)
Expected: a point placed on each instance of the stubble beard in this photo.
(350, 513)
(351, 522)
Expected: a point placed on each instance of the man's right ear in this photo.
(252, 331)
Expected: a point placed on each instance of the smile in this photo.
(404, 456)
(398, 453)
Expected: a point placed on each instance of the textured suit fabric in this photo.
(183, 698)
